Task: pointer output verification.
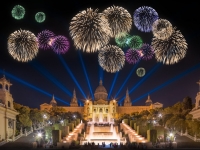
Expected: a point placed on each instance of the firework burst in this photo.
(90, 30)
(121, 39)
(40, 17)
(162, 29)
(172, 50)
(147, 51)
(140, 72)
(22, 45)
(18, 12)
(135, 42)
(45, 38)
(60, 44)
(144, 18)
(132, 56)
(119, 19)
(111, 58)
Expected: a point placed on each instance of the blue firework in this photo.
(60, 44)
(147, 51)
(144, 18)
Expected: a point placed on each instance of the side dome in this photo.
(100, 92)
(53, 102)
(148, 101)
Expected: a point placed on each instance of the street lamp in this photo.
(171, 136)
(160, 115)
(39, 135)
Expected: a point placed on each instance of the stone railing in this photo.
(3, 142)
(189, 136)
(19, 136)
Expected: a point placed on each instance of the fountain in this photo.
(100, 117)
(103, 133)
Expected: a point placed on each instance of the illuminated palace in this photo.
(7, 112)
(101, 109)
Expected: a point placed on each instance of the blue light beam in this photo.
(31, 86)
(143, 79)
(169, 81)
(50, 77)
(72, 76)
(116, 75)
(85, 72)
(133, 69)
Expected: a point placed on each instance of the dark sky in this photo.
(35, 82)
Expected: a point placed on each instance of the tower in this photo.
(197, 104)
(148, 101)
(127, 100)
(74, 102)
(5, 96)
(53, 102)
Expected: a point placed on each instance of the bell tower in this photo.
(127, 100)
(74, 102)
(5, 96)
(197, 104)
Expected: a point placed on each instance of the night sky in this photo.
(36, 81)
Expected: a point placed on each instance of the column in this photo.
(6, 128)
(14, 129)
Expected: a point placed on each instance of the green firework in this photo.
(121, 39)
(18, 12)
(140, 72)
(40, 17)
(135, 42)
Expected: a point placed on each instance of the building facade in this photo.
(101, 109)
(195, 112)
(7, 111)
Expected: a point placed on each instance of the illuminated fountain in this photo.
(100, 117)
(103, 133)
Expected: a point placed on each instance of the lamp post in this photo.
(44, 118)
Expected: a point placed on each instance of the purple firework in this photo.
(147, 51)
(44, 38)
(60, 44)
(132, 56)
(144, 18)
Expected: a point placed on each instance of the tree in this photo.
(36, 116)
(23, 119)
(187, 103)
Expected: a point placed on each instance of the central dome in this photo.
(100, 92)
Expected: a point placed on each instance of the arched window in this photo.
(8, 103)
(100, 110)
(113, 109)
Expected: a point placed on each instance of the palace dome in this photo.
(100, 92)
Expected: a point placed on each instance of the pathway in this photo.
(23, 143)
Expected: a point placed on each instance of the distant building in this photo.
(7, 111)
(101, 109)
(196, 110)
